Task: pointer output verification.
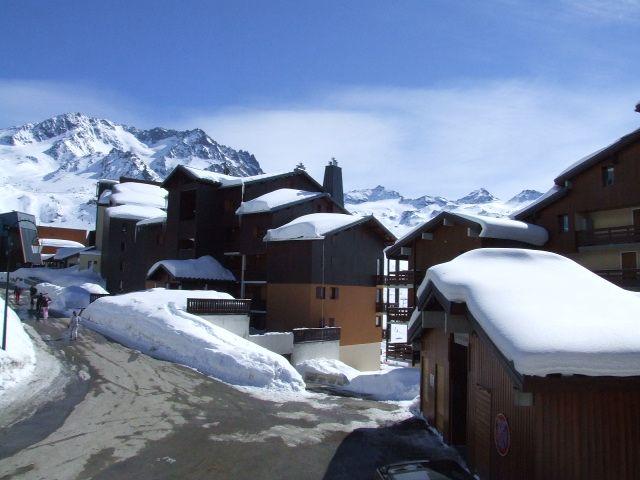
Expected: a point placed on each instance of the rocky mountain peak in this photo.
(477, 197)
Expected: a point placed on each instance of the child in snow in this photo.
(46, 300)
(33, 291)
(16, 294)
(39, 298)
(74, 323)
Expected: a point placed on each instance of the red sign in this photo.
(502, 435)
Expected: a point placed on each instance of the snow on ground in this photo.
(156, 323)
(17, 363)
(544, 312)
(67, 299)
(63, 277)
(391, 384)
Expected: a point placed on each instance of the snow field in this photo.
(17, 363)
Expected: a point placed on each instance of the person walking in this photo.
(16, 294)
(46, 300)
(33, 291)
(74, 324)
(39, 299)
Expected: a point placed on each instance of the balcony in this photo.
(326, 334)
(608, 236)
(399, 314)
(407, 278)
(628, 278)
(211, 306)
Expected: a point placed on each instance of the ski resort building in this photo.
(17, 233)
(530, 366)
(592, 212)
(439, 240)
(321, 271)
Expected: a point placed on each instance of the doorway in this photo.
(458, 387)
(628, 263)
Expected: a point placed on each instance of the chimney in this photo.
(333, 181)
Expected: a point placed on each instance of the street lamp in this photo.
(36, 248)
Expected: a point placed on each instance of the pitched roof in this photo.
(316, 226)
(490, 227)
(554, 193)
(203, 268)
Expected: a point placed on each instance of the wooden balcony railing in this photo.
(606, 236)
(625, 278)
(326, 334)
(405, 277)
(218, 306)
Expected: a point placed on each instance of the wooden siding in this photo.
(435, 352)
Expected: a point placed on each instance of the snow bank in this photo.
(63, 277)
(276, 199)
(17, 363)
(545, 312)
(341, 372)
(135, 212)
(133, 193)
(68, 299)
(311, 227)
(156, 323)
(202, 268)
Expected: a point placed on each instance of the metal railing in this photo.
(95, 296)
(606, 236)
(401, 314)
(220, 306)
(326, 334)
(405, 277)
(625, 278)
(400, 351)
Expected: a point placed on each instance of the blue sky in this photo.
(435, 97)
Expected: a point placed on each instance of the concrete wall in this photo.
(308, 350)
(237, 324)
(278, 342)
(363, 357)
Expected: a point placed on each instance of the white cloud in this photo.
(504, 136)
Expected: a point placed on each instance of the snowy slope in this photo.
(50, 168)
(400, 214)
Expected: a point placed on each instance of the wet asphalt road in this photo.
(127, 415)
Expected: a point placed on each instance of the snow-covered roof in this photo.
(508, 229)
(312, 227)
(135, 212)
(66, 252)
(134, 193)
(203, 268)
(277, 199)
(105, 198)
(152, 221)
(60, 243)
(491, 227)
(544, 312)
(549, 196)
(229, 180)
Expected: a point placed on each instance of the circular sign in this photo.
(502, 435)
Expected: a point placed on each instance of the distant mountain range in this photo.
(50, 169)
(400, 214)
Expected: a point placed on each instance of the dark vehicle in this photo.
(423, 470)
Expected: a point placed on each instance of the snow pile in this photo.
(276, 199)
(60, 243)
(63, 277)
(203, 268)
(508, 229)
(67, 299)
(156, 323)
(229, 180)
(311, 227)
(135, 212)
(545, 312)
(17, 363)
(134, 193)
(393, 384)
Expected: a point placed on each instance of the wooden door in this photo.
(629, 263)
(440, 396)
(424, 389)
(482, 444)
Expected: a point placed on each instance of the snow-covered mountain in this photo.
(50, 168)
(400, 214)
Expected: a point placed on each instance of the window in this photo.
(188, 205)
(563, 223)
(124, 229)
(335, 293)
(320, 292)
(607, 176)
(186, 244)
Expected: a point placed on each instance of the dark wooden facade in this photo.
(560, 427)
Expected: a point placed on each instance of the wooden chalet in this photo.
(321, 271)
(592, 212)
(204, 273)
(509, 420)
(439, 240)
